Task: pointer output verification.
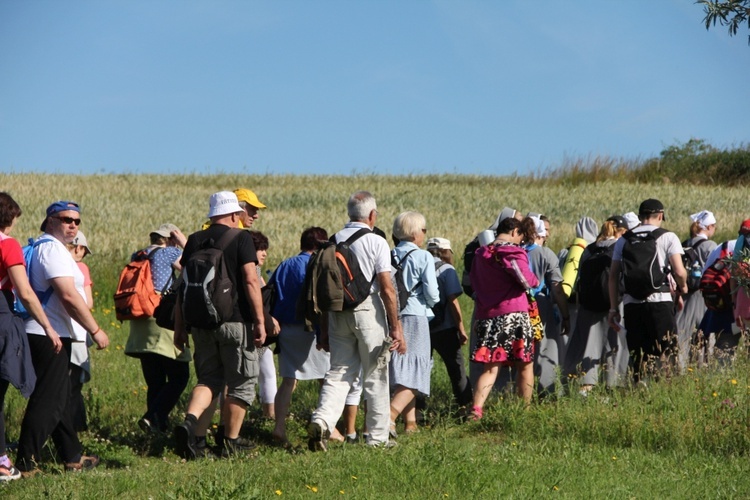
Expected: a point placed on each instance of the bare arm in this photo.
(455, 310)
(255, 298)
(30, 301)
(679, 272)
(388, 296)
(76, 307)
(89, 296)
(562, 303)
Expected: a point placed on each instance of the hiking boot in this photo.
(317, 438)
(9, 473)
(85, 463)
(236, 446)
(185, 442)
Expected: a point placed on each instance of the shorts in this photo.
(226, 356)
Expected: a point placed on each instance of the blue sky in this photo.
(479, 87)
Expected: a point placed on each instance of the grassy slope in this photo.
(686, 438)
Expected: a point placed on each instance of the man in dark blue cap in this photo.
(56, 278)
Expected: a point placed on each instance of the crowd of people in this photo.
(623, 300)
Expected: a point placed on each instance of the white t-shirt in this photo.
(373, 254)
(667, 244)
(52, 259)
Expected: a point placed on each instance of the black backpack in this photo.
(397, 273)
(209, 296)
(469, 253)
(640, 264)
(691, 261)
(593, 278)
(438, 309)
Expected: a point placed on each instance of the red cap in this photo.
(745, 227)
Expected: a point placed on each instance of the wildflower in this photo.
(135, 393)
(715, 394)
(278, 492)
(354, 477)
(341, 492)
(728, 402)
(734, 381)
(555, 488)
(690, 370)
(614, 457)
(314, 489)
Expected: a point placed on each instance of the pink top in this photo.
(86, 274)
(500, 276)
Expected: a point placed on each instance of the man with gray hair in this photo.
(360, 338)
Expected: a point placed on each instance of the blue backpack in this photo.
(28, 252)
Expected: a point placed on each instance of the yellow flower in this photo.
(341, 492)
(555, 488)
(314, 489)
(614, 458)
(734, 381)
(690, 370)
(278, 492)
(354, 477)
(715, 394)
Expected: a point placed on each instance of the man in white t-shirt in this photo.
(55, 276)
(649, 316)
(358, 337)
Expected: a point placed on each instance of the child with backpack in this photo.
(165, 368)
(697, 249)
(593, 341)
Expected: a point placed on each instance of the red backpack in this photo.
(135, 296)
(715, 287)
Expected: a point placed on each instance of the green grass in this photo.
(686, 437)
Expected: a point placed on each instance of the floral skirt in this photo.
(505, 339)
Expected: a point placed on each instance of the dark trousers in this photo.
(651, 335)
(77, 405)
(3, 389)
(48, 413)
(448, 347)
(166, 379)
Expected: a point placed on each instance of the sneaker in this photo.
(317, 438)
(392, 431)
(9, 473)
(146, 425)
(85, 463)
(185, 442)
(236, 446)
(352, 438)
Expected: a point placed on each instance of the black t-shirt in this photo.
(240, 251)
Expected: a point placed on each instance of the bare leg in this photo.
(525, 381)
(282, 401)
(234, 414)
(350, 419)
(200, 400)
(485, 382)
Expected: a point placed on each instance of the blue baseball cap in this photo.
(57, 207)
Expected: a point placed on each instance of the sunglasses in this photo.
(69, 220)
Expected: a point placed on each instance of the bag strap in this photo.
(224, 241)
(351, 239)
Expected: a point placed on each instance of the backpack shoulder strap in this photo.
(229, 235)
(351, 239)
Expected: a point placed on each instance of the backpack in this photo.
(135, 297)
(209, 295)
(640, 264)
(28, 252)
(333, 280)
(715, 283)
(692, 263)
(593, 278)
(469, 252)
(397, 274)
(438, 309)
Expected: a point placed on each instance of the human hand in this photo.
(54, 338)
(462, 337)
(101, 339)
(260, 334)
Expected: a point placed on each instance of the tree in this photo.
(731, 13)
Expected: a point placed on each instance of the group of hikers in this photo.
(627, 299)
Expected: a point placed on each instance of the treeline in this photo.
(692, 162)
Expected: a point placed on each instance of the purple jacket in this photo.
(500, 276)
